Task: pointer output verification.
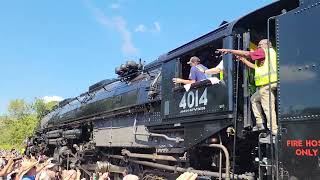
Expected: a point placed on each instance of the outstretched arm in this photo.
(183, 81)
(212, 71)
(7, 167)
(235, 52)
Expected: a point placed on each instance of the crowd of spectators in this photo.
(14, 166)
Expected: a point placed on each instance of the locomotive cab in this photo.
(187, 103)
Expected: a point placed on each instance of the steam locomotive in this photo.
(144, 123)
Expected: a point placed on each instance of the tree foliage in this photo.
(42, 108)
(21, 121)
(18, 108)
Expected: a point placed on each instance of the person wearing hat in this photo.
(47, 171)
(28, 169)
(196, 72)
(264, 56)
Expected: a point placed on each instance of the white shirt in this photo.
(220, 65)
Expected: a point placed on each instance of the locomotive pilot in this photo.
(260, 99)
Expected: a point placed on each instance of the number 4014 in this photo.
(191, 99)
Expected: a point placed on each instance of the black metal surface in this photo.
(298, 97)
(195, 133)
(299, 154)
(105, 97)
(182, 103)
(222, 31)
(229, 69)
(257, 20)
(235, 105)
(100, 84)
(168, 72)
(299, 61)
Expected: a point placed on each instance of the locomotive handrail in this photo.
(226, 153)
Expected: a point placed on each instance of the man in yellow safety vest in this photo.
(260, 99)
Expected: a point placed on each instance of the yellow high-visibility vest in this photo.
(262, 72)
(221, 75)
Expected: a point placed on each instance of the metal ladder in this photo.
(265, 162)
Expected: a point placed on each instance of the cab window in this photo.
(207, 55)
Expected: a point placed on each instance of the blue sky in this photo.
(59, 48)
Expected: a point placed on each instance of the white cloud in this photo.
(47, 99)
(115, 6)
(157, 26)
(119, 24)
(140, 28)
(127, 46)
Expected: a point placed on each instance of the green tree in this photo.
(42, 108)
(18, 108)
(22, 119)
